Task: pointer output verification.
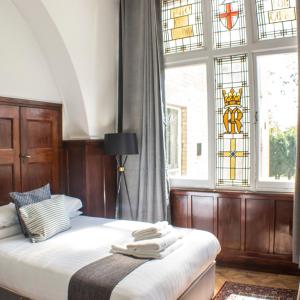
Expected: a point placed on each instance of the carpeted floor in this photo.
(241, 291)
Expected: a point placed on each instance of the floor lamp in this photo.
(121, 145)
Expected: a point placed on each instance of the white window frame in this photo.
(207, 55)
(261, 184)
(178, 109)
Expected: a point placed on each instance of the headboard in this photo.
(30, 145)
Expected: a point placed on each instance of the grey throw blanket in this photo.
(97, 280)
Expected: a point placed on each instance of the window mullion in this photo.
(253, 132)
(207, 8)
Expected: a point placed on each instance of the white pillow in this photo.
(75, 214)
(45, 219)
(8, 215)
(72, 205)
(10, 231)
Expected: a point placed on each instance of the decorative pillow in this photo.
(34, 196)
(8, 215)
(72, 205)
(44, 219)
(10, 231)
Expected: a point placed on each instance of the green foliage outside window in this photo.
(282, 153)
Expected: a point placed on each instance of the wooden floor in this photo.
(256, 278)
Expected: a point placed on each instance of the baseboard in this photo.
(259, 264)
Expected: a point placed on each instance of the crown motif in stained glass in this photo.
(233, 97)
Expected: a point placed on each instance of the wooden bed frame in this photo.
(201, 289)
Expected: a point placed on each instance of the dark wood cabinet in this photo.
(91, 176)
(30, 146)
(254, 229)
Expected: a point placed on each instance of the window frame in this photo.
(262, 184)
(178, 110)
(207, 54)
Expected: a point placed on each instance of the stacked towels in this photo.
(156, 241)
(156, 230)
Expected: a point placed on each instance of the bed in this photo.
(42, 271)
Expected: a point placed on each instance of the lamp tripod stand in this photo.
(121, 145)
(122, 177)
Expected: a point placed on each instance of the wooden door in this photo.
(9, 152)
(40, 146)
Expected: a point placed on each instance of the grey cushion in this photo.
(44, 219)
(34, 196)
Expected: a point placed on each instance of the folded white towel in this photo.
(151, 229)
(153, 235)
(157, 244)
(122, 249)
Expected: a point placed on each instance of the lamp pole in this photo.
(120, 145)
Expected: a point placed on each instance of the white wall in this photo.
(71, 55)
(90, 33)
(24, 71)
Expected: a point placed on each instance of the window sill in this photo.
(261, 187)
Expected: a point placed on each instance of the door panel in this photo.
(9, 152)
(40, 138)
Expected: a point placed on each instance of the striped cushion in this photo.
(21, 199)
(45, 219)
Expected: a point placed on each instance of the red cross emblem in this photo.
(230, 16)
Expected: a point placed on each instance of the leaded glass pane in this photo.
(182, 25)
(229, 23)
(276, 18)
(232, 121)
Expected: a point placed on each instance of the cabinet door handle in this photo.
(25, 156)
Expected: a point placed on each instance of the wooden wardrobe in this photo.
(30, 146)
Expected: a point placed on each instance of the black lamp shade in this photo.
(120, 144)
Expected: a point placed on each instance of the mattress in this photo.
(42, 271)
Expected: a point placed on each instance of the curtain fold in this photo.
(296, 217)
(144, 108)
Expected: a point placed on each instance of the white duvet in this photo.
(43, 270)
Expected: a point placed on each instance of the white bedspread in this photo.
(43, 270)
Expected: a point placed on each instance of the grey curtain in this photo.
(144, 108)
(296, 218)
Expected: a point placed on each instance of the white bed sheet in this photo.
(42, 271)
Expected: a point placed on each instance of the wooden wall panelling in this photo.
(283, 227)
(75, 170)
(202, 213)
(259, 225)
(230, 222)
(91, 176)
(254, 228)
(9, 152)
(180, 207)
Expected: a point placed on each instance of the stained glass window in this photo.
(233, 121)
(182, 25)
(229, 23)
(276, 18)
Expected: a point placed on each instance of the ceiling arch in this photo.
(52, 44)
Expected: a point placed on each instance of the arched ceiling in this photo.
(84, 69)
